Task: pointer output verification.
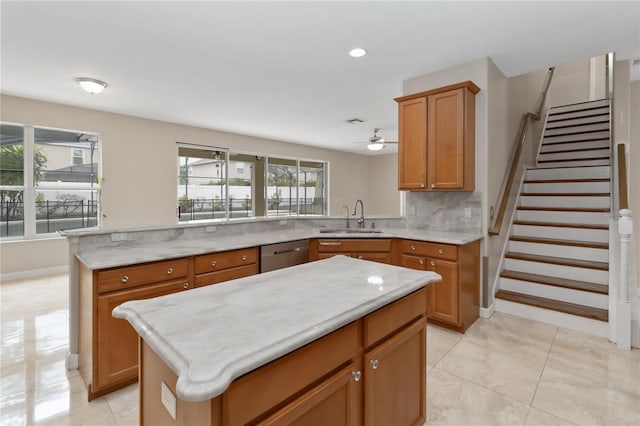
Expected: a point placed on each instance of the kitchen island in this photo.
(340, 340)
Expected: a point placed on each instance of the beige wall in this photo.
(384, 197)
(21, 258)
(137, 151)
(634, 171)
(570, 83)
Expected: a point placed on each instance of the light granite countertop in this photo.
(131, 253)
(234, 327)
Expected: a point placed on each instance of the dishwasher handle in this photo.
(291, 250)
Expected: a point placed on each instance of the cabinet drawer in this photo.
(358, 245)
(121, 278)
(421, 248)
(226, 259)
(226, 275)
(270, 385)
(387, 320)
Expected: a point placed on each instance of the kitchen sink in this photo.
(349, 231)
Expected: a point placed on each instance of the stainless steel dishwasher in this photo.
(282, 255)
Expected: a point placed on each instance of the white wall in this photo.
(136, 151)
(570, 83)
(384, 197)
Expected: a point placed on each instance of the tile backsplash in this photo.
(444, 211)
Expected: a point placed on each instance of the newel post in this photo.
(623, 317)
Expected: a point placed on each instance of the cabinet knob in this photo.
(169, 271)
(440, 251)
(356, 375)
(360, 257)
(413, 247)
(185, 285)
(244, 257)
(422, 185)
(374, 363)
(213, 262)
(125, 278)
(421, 261)
(433, 263)
(433, 185)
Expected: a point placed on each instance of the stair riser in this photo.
(560, 271)
(579, 163)
(582, 121)
(577, 155)
(578, 114)
(600, 103)
(569, 173)
(559, 319)
(546, 148)
(555, 250)
(564, 217)
(560, 201)
(567, 187)
(585, 298)
(576, 137)
(576, 234)
(577, 129)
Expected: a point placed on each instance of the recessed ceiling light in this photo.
(358, 52)
(91, 85)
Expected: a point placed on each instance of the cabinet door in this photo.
(443, 296)
(117, 340)
(445, 140)
(395, 379)
(374, 257)
(335, 401)
(412, 144)
(225, 275)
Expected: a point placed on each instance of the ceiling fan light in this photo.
(91, 85)
(375, 146)
(358, 52)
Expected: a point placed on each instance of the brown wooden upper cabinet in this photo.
(436, 150)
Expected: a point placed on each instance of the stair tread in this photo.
(560, 242)
(564, 160)
(575, 141)
(567, 180)
(589, 264)
(601, 121)
(564, 151)
(565, 194)
(555, 118)
(560, 224)
(554, 305)
(551, 135)
(556, 282)
(570, 167)
(568, 209)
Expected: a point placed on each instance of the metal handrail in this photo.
(520, 142)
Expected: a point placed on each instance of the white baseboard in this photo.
(32, 273)
(71, 361)
(487, 312)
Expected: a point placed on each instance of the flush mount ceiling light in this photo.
(358, 52)
(91, 85)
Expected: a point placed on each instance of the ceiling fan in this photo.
(376, 143)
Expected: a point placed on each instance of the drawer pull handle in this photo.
(125, 278)
(213, 262)
(413, 247)
(440, 251)
(169, 271)
(356, 375)
(433, 263)
(374, 363)
(185, 285)
(433, 185)
(244, 257)
(330, 243)
(421, 261)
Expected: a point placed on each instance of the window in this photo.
(256, 185)
(57, 187)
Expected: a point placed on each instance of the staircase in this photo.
(556, 266)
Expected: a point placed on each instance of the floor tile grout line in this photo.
(544, 366)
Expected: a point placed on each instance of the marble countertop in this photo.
(234, 327)
(127, 253)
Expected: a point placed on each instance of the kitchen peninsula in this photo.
(339, 340)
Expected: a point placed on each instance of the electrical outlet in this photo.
(168, 400)
(467, 212)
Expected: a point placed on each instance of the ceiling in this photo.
(280, 70)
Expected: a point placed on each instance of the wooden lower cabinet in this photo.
(376, 250)
(335, 380)
(455, 301)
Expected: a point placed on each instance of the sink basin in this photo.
(349, 231)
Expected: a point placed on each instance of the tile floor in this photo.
(503, 371)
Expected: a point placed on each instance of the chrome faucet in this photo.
(347, 208)
(355, 210)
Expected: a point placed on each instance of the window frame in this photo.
(29, 189)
